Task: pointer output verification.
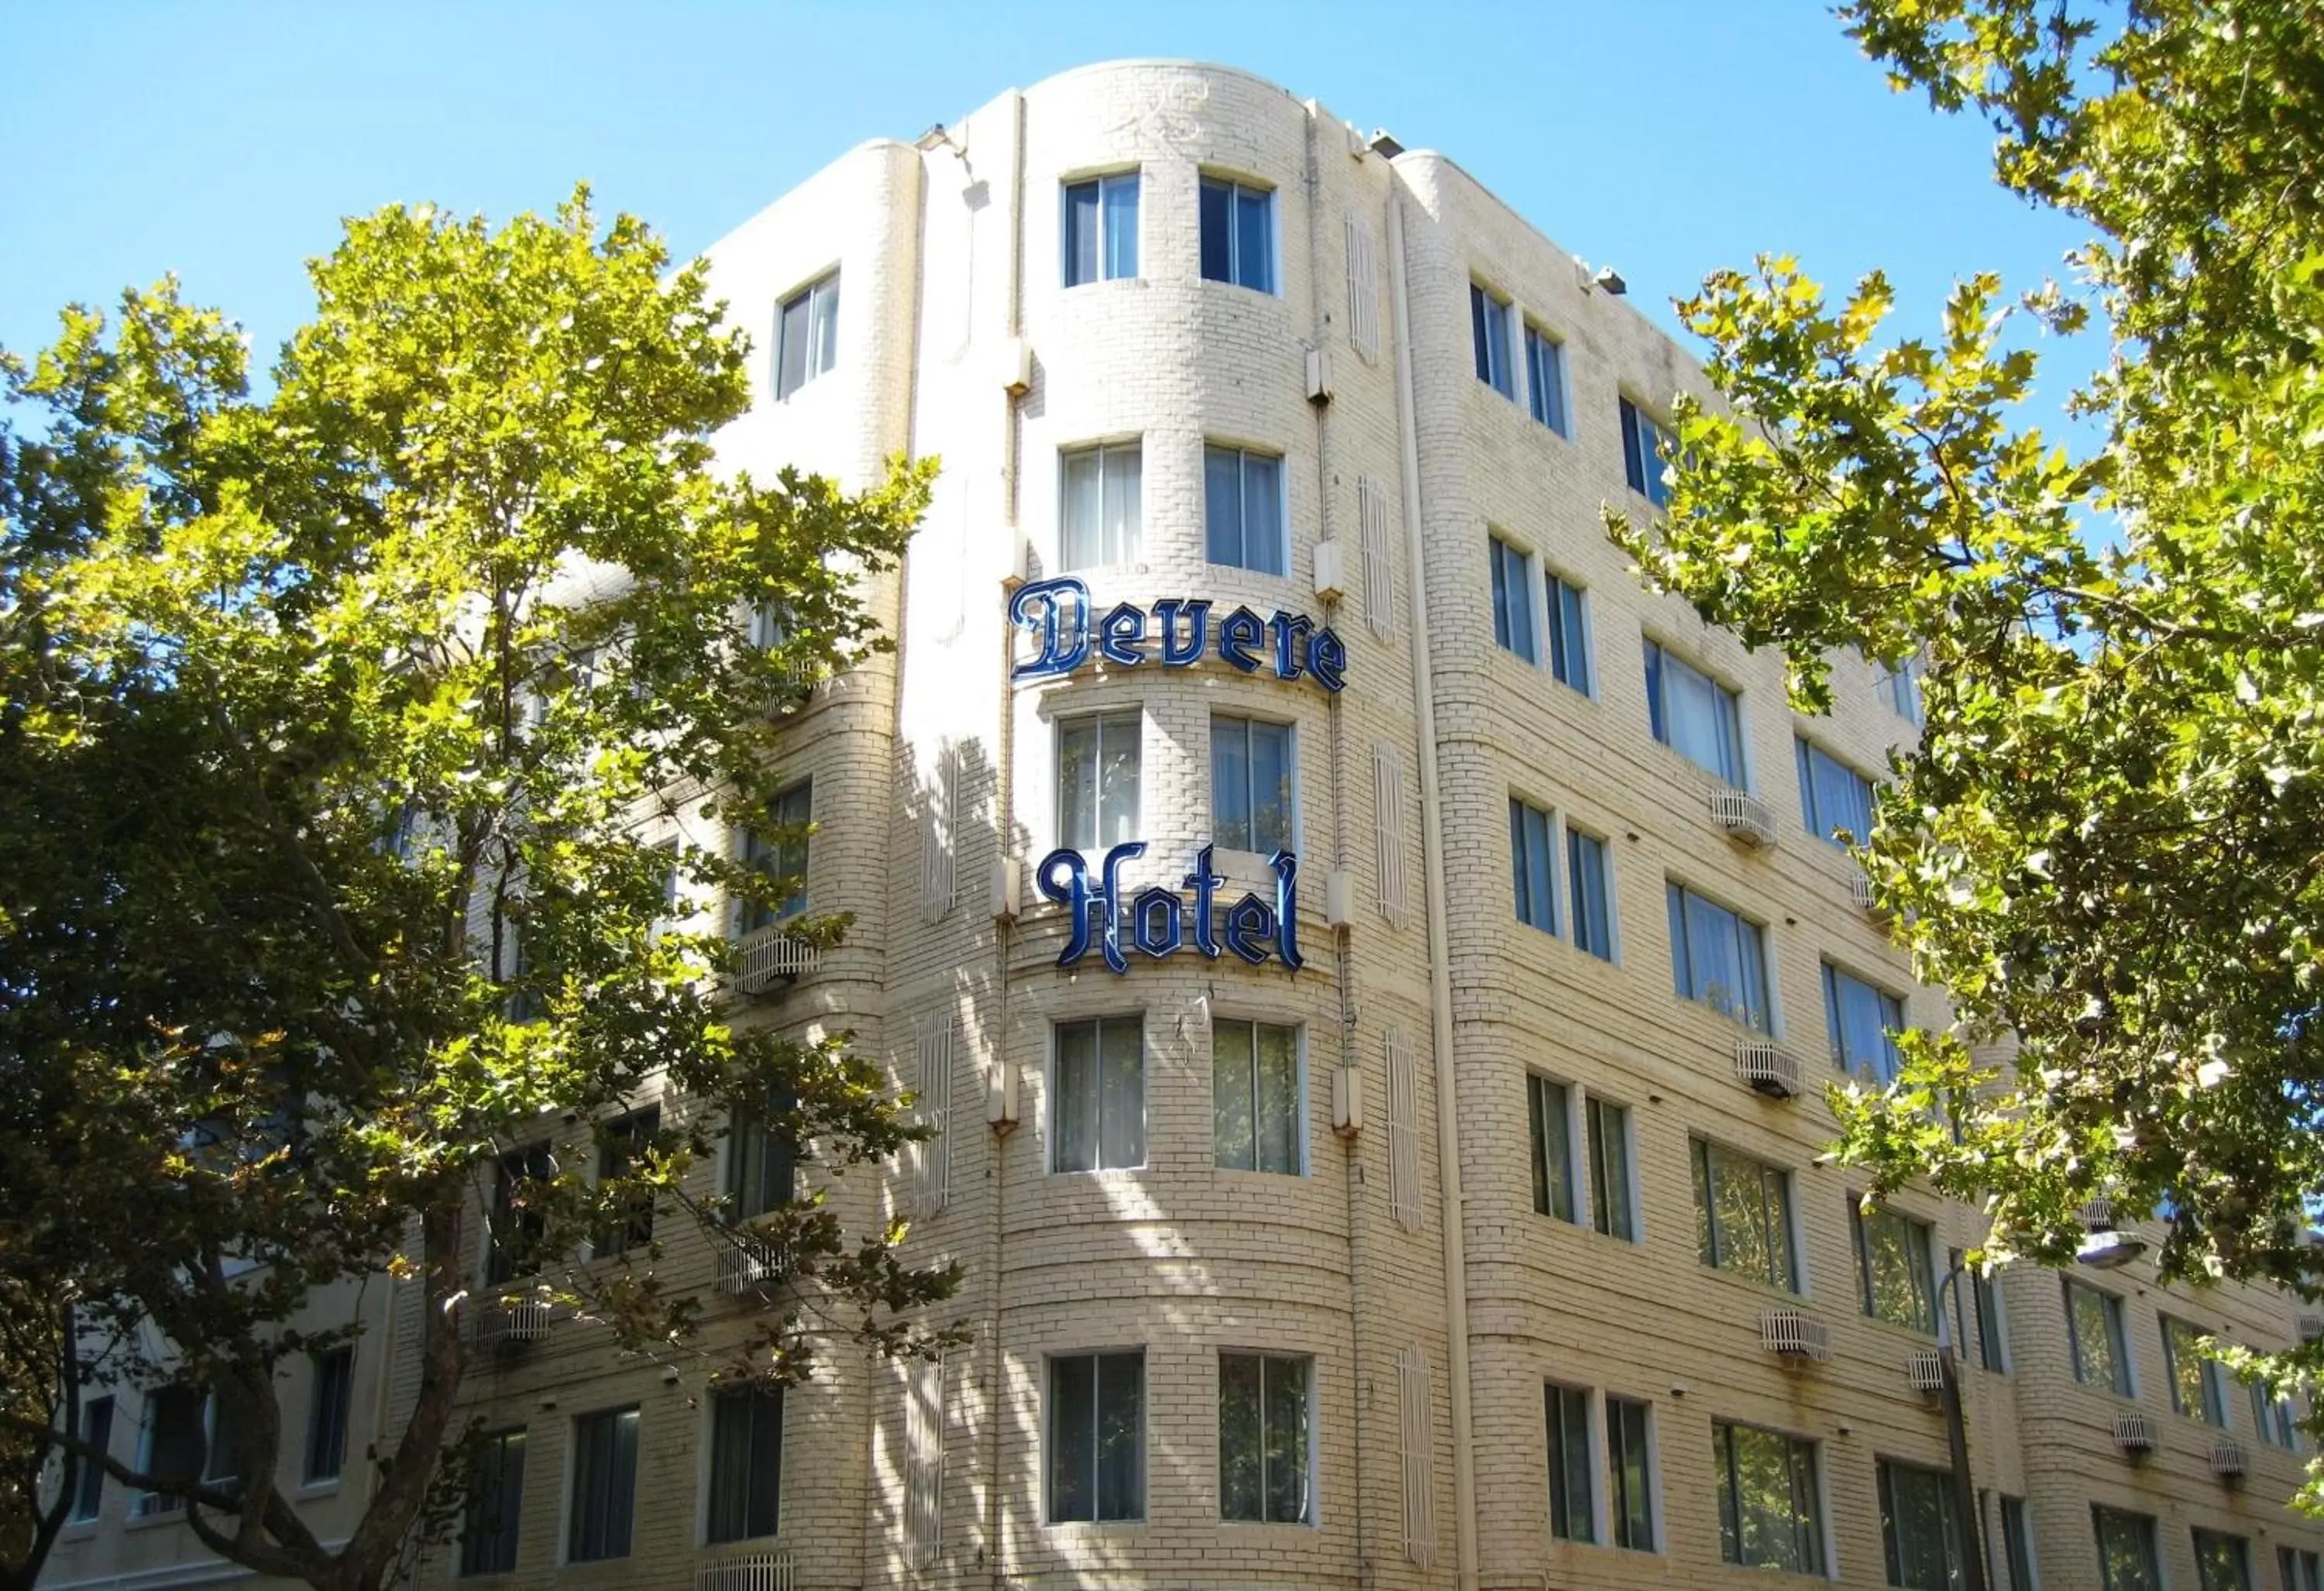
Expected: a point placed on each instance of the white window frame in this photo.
(1052, 1127)
(1049, 1522)
(811, 290)
(1297, 840)
(1484, 299)
(1243, 456)
(1237, 186)
(1534, 331)
(1299, 1063)
(1102, 180)
(1135, 713)
(1100, 449)
(1315, 1506)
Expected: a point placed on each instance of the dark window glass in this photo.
(807, 336)
(495, 1504)
(1512, 572)
(333, 1380)
(1572, 1510)
(778, 857)
(1532, 855)
(1769, 1514)
(1647, 447)
(1254, 1096)
(1251, 786)
(605, 1484)
(1545, 379)
(1569, 635)
(1992, 1341)
(1263, 1438)
(1100, 1113)
(1242, 509)
(1611, 1189)
(1238, 226)
(1585, 872)
(1101, 233)
(622, 1147)
(1097, 1437)
(761, 1160)
(746, 1463)
(1918, 1528)
(88, 1475)
(1630, 1491)
(1489, 325)
(2127, 1555)
(1553, 1147)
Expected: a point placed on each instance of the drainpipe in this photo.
(1440, 970)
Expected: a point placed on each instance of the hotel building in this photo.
(1402, 1172)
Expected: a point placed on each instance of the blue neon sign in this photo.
(1156, 920)
(1057, 613)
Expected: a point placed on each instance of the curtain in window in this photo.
(1585, 867)
(1101, 1107)
(1102, 507)
(746, 1464)
(605, 1484)
(1917, 1524)
(1121, 226)
(1571, 1516)
(1530, 851)
(1097, 781)
(1553, 1148)
(1700, 716)
(1254, 1096)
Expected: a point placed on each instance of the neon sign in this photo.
(1156, 921)
(1057, 613)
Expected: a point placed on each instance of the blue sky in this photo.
(224, 141)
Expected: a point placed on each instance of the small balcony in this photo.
(1791, 1336)
(511, 1328)
(2133, 1432)
(748, 1264)
(1746, 818)
(1768, 1068)
(772, 959)
(751, 1571)
(2228, 1458)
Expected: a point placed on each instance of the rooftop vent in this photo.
(1609, 281)
(1384, 145)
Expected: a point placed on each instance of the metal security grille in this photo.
(924, 1452)
(1363, 291)
(932, 1082)
(1403, 1131)
(938, 827)
(1411, 1387)
(1371, 537)
(1388, 834)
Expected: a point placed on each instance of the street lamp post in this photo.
(1957, 1439)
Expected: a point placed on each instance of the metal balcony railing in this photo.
(1790, 1334)
(1744, 816)
(753, 1571)
(1768, 1066)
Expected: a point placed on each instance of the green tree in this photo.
(335, 727)
(2108, 844)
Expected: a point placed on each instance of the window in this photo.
(1553, 1147)
(1612, 1192)
(807, 336)
(1918, 1525)
(1719, 958)
(2127, 1555)
(2017, 1545)
(1858, 1020)
(1630, 1474)
(2094, 1330)
(516, 1228)
(223, 1442)
(1585, 875)
(2196, 1389)
(1743, 1215)
(1769, 1514)
(605, 1484)
(1545, 358)
(761, 1160)
(781, 858)
(1694, 714)
(1101, 232)
(2272, 1417)
(1264, 1437)
(332, 1379)
(1238, 226)
(1100, 506)
(1101, 1095)
(1573, 1509)
(2222, 1562)
(1647, 447)
(1835, 800)
(88, 1475)
(1899, 689)
(1893, 1270)
(746, 1463)
(622, 1147)
(1569, 635)
(1097, 1437)
(1251, 785)
(2300, 1571)
(1254, 1096)
(495, 1504)
(1992, 1338)
(1533, 856)
(173, 1444)
(1489, 325)
(1097, 780)
(1512, 600)
(1242, 509)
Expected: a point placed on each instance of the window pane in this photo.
(1859, 1019)
(1073, 1439)
(2015, 1547)
(1120, 1484)
(1121, 227)
(1633, 463)
(1254, 244)
(1609, 1169)
(1222, 505)
(1529, 846)
(1231, 814)
(1082, 546)
(1553, 1148)
(1512, 573)
(1270, 788)
(1585, 865)
(1287, 1440)
(2127, 1560)
(2096, 1337)
(1121, 1106)
(605, 1484)
(1262, 514)
(1894, 1252)
(488, 1535)
(89, 1476)
(1632, 1495)
(1232, 1091)
(1767, 1500)
(1916, 1522)
(1081, 232)
(326, 1415)
(2222, 1562)
(1119, 538)
(1218, 231)
(824, 328)
(1572, 1508)
(1077, 783)
(791, 346)
(1241, 1463)
(746, 1434)
(1277, 1084)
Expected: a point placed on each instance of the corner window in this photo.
(1255, 1096)
(1545, 358)
(2222, 1562)
(1899, 689)
(495, 1504)
(173, 1444)
(1512, 600)
(1101, 229)
(1242, 509)
(1613, 1186)
(780, 853)
(1630, 1474)
(1252, 786)
(1546, 1104)
(746, 1464)
(1743, 1215)
(1237, 226)
(1573, 1501)
(1861, 1022)
(331, 1384)
(2272, 1418)
(1097, 780)
(1647, 446)
(605, 1485)
(1718, 957)
(622, 1147)
(2017, 1545)
(2128, 1560)
(1592, 906)
(1895, 1280)
(2094, 1331)
(1918, 1527)
(1265, 1412)
(1770, 1513)
(1532, 859)
(807, 336)
(1488, 329)
(1569, 634)
(761, 1160)
(1835, 800)
(514, 1235)
(1097, 1438)
(1101, 512)
(1992, 1338)
(1100, 1110)
(88, 1475)
(2300, 1571)
(1694, 714)
(2196, 1390)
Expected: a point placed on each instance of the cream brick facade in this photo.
(935, 776)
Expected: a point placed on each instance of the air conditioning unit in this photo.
(1791, 1336)
(1768, 1066)
(1924, 1371)
(1744, 816)
(1005, 894)
(2133, 1432)
(508, 1327)
(1331, 569)
(1339, 898)
(746, 1263)
(2228, 1460)
(1319, 375)
(774, 958)
(753, 1571)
